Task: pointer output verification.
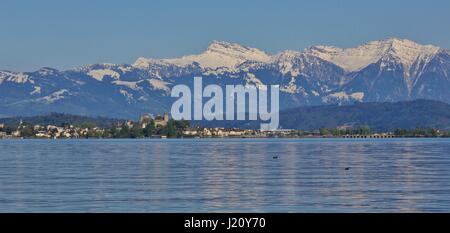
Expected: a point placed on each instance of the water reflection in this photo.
(231, 175)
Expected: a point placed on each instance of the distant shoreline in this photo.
(217, 138)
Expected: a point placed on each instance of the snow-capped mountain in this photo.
(354, 59)
(218, 55)
(379, 71)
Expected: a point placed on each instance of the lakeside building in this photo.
(129, 123)
(218, 132)
(145, 119)
(16, 133)
(159, 120)
(162, 120)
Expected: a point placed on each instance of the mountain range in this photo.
(387, 70)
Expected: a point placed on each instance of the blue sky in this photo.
(63, 34)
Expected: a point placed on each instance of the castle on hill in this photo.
(159, 120)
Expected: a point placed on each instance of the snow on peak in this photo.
(408, 52)
(47, 71)
(237, 51)
(286, 62)
(159, 85)
(14, 77)
(143, 62)
(222, 56)
(343, 96)
(354, 59)
(287, 55)
(101, 73)
(218, 54)
(55, 96)
(131, 85)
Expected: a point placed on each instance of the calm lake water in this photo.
(225, 175)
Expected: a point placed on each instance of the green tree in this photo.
(136, 132)
(124, 132)
(26, 131)
(401, 132)
(8, 129)
(324, 132)
(364, 130)
(171, 130)
(149, 129)
(87, 125)
(182, 124)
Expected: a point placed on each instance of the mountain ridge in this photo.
(221, 47)
(385, 70)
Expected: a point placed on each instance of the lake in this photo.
(225, 175)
